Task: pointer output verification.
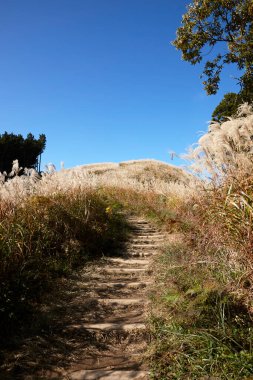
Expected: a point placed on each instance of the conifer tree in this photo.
(26, 150)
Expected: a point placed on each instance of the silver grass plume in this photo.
(226, 146)
(15, 168)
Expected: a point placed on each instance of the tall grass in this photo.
(46, 237)
(202, 305)
(226, 148)
(51, 224)
(222, 211)
(202, 317)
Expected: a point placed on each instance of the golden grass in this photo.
(214, 215)
(143, 175)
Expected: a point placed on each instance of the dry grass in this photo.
(45, 237)
(139, 175)
(203, 305)
(215, 216)
(51, 224)
(226, 147)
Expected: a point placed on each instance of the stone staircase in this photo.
(119, 293)
(94, 326)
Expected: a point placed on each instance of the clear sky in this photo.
(100, 79)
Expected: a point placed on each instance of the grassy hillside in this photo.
(202, 302)
(53, 224)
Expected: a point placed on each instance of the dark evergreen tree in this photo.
(26, 150)
(227, 107)
(230, 103)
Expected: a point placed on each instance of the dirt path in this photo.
(96, 331)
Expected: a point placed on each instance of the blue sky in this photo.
(100, 79)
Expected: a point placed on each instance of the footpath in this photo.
(97, 328)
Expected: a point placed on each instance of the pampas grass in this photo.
(222, 217)
(140, 176)
(226, 147)
(202, 301)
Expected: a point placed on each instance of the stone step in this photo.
(110, 314)
(104, 291)
(145, 230)
(118, 274)
(143, 246)
(108, 375)
(143, 227)
(129, 261)
(126, 327)
(139, 231)
(135, 266)
(136, 219)
(112, 360)
(147, 240)
(128, 265)
(141, 253)
(118, 301)
(140, 223)
(124, 277)
(149, 237)
(117, 285)
(139, 246)
(124, 270)
(133, 284)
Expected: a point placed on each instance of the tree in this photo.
(26, 150)
(227, 107)
(229, 23)
(230, 103)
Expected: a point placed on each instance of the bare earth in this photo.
(95, 330)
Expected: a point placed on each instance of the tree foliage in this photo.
(210, 22)
(25, 150)
(227, 107)
(230, 103)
